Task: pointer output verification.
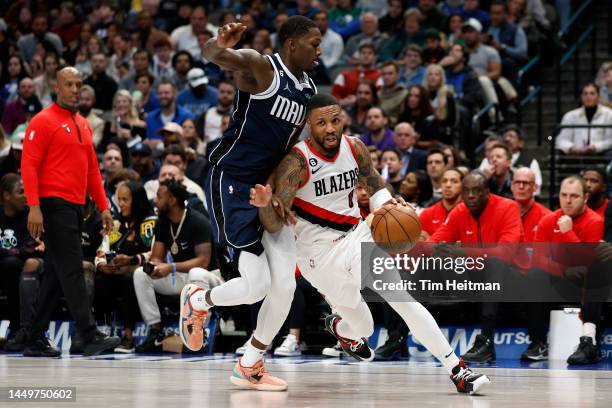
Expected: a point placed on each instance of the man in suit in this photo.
(405, 138)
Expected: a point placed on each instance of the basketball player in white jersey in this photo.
(317, 180)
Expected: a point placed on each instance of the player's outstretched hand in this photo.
(260, 196)
(230, 34)
(285, 214)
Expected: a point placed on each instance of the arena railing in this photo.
(533, 92)
(469, 142)
(582, 160)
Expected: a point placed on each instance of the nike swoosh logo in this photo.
(469, 232)
(556, 230)
(313, 171)
(158, 343)
(435, 221)
(448, 355)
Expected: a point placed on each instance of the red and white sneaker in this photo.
(359, 349)
(466, 380)
(191, 321)
(256, 378)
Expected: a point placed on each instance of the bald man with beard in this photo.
(59, 167)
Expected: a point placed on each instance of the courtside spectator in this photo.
(187, 236)
(169, 111)
(39, 37)
(391, 94)
(369, 35)
(14, 112)
(513, 137)
(378, 134)
(391, 162)
(213, 117)
(405, 139)
(332, 44)
(104, 86)
(346, 83)
(200, 96)
(436, 164)
(412, 33)
(577, 141)
(366, 98)
(412, 70)
(420, 114)
(87, 100)
(500, 178)
(472, 9)
(185, 37)
(144, 163)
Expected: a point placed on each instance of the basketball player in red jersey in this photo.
(317, 179)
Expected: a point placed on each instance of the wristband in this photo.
(379, 198)
(173, 274)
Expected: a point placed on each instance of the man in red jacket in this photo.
(483, 217)
(433, 217)
(59, 167)
(523, 188)
(574, 222)
(597, 186)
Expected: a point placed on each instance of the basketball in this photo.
(396, 228)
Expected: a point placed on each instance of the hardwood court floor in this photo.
(111, 381)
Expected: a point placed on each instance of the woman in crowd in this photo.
(44, 84)
(15, 70)
(131, 241)
(416, 189)
(420, 114)
(442, 100)
(125, 122)
(366, 98)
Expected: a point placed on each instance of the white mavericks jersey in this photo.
(325, 204)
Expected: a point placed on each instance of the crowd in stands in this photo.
(409, 75)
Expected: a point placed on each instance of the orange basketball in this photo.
(396, 228)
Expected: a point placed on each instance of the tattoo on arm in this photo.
(368, 176)
(289, 174)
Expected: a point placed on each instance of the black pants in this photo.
(10, 272)
(116, 292)
(63, 268)
(297, 313)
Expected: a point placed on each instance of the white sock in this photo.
(252, 355)
(198, 301)
(425, 329)
(589, 330)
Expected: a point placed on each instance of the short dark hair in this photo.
(147, 75)
(177, 190)
(367, 45)
(144, 51)
(295, 26)
(393, 150)
(514, 128)
(435, 150)
(8, 182)
(589, 85)
(321, 100)
(599, 170)
(500, 3)
(456, 170)
(505, 148)
(178, 54)
(176, 150)
(391, 64)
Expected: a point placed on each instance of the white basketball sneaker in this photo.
(289, 348)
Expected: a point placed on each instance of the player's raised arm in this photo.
(290, 174)
(254, 70)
